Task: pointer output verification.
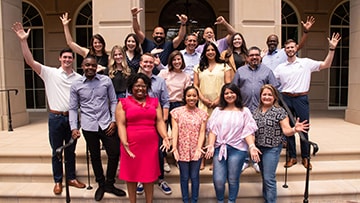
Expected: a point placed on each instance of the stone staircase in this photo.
(25, 169)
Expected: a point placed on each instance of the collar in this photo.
(97, 77)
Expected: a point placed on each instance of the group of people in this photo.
(219, 99)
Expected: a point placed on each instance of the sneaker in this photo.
(164, 187)
(167, 168)
(256, 167)
(139, 189)
(245, 166)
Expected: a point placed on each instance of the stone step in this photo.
(322, 170)
(336, 191)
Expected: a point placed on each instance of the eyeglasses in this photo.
(140, 86)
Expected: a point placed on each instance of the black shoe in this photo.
(99, 194)
(112, 189)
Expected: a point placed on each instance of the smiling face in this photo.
(147, 64)
(89, 67)
(209, 35)
(237, 41)
(139, 90)
(191, 98)
(191, 43)
(210, 52)
(229, 96)
(290, 49)
(98, 46)
(130, 43)
(272, 43)
(177, 63)
(118, 56)
(267, 97)
(159, 35)
(254, 58)
(66, 60)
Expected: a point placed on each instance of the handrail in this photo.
(310, 143)
(10, 128)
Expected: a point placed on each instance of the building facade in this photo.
(334, 88)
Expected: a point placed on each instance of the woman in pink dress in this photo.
(138, 117)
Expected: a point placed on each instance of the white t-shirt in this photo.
(296, 77)
(57, 87)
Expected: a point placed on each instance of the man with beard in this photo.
(94, 94)
(295, 76)
(250, 78)
(274, 56)
(159, 47)
(191, 57)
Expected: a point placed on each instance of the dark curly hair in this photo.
(134, 78)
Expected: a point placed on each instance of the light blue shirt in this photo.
(190, 60)
(159, 90)
(274, 59)
(96, 99)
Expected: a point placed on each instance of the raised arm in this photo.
(23, 36)
(182, 30)
(229, 28)
(310, 20)
(135, 24)
(330, 56)
(69, 40)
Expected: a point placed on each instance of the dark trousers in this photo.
(300, 108)
(112, 148)
(59, 134)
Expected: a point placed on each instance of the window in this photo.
(289, 23)
(34, 86)
(339, 71)
(83, 30)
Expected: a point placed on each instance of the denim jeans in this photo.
(300, 108)
(189, 170)
(230, 170)
(59, 134)
(112, 148)
(269, 160)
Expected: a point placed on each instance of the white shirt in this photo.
(296, 77)
(274, 59)
(57, 87)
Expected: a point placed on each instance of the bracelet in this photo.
(306, 31)
(251, 146)
(331, 49)
(134, 17)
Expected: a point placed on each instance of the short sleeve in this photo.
(196, 68)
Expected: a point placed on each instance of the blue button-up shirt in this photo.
(250, 82)
(159, 90)
(97, 101)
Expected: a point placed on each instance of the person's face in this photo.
(139, 90)
(131, 44)
(147, 64)
(229, 96)
(177, 62)
(290, 49)
(66, 60)
(97, 45)
(89, 67)
(272, 43)
(118, 57)
(254, 58)
(209, 34)
(191, 43)
(159, 35)
(267, 97)
(237, 41)
(210, 53)
(191, 98)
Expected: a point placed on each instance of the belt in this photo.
(295, 94)
(64, 113)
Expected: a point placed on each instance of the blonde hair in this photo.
(126, 71)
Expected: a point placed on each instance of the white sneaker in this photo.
(245, 166)
(256, 167)
(167, 168)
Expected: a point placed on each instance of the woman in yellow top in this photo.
(209, 76)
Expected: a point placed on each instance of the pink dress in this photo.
(143, 142)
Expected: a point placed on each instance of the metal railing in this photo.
(10, 128)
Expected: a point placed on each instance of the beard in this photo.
(159, 40)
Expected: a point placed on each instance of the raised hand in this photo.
(334, 40)
(310, 20)
(135, 10)
(20, 32)
(65, 19)
(220, 20)
(183, 18)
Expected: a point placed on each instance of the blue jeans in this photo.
(189, 170)
(269, 160)
(59, 134)
(300, 108)
(230, 170)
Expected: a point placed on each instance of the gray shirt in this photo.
(250, 82)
